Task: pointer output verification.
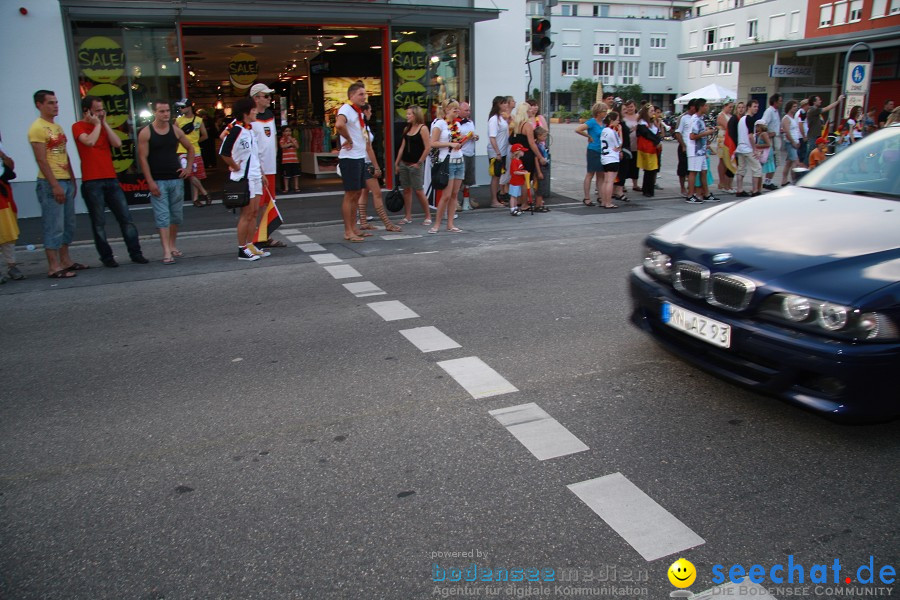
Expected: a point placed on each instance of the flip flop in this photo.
(611, 206)
(432, 230)
(77, 267)
(168, 261)
(455, 230)
(588, 202)
(270, 243)
(62, 274)
(177, 253)
(355, 239)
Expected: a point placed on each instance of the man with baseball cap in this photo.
(193, 127)
(266, 140)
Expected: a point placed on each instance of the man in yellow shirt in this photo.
(193, 127)
(55, 186)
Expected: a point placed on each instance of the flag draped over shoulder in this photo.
(271, 220)
(9, 225)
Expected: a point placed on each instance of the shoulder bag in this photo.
(237, 193)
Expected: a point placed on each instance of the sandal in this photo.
(455, 230)
(62, 274)
(198, 204)
(426, 222)
(432, 230)
(622, 198)
(270, 243)
(354, 238)
(588, 202)
(367, 226)
(177, 253)
(168, 261)
(393, 227)
(404, 221)
(77, 267)
(610, 206)
(541, 209)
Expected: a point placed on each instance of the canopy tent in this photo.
(713, 93)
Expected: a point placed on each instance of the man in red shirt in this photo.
(100, 188)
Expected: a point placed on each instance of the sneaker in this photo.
(109, 262)
(742, 194)
(15, 273)
(139, 259)
(515, 213)
(245, 254)
(710, 198)
(770, 186)
(693, 200)
(257, 252)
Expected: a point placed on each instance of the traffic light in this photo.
(540, 35)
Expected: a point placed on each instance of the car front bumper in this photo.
(846, 380)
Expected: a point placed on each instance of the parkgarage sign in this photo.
(790, 71)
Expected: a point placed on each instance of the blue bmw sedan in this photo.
(795, 293)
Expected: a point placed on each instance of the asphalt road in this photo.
(217, 429)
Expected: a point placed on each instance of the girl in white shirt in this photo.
(610, 152)
(445, 136)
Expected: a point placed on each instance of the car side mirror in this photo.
(797, 173)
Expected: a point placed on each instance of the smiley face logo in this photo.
(682, 573)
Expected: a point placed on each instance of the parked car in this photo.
(795, 293)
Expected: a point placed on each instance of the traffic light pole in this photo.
(545, 70)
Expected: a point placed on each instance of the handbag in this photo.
(394, 199)
(440, 174)
(237, 193)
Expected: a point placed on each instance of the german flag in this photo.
(271, 220)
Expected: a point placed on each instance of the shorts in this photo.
(457, 168)
(290, 170)
(469, 162)
(792, 153)
(57, 220)
(497, 166)
(696, 164)
(682, 163)
(611, 167)
(748, 162)
(353, 173)
(256, 187)
(594, 162)
(515, 191)
(168, 207)
(803, 151)
(412, 177)
(370, 171)
(198, 170)
(543, 185)
(504, 179)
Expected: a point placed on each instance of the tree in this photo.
(584, 92)
(629, 92)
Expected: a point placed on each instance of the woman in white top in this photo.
(445, 137)
(855, 126)
(241, 154)
(498, 146)
(372, 186)
(790, 127)
(610, 151)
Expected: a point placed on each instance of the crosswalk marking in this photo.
(342, 271)
(648, 527)
(361, 289)
(541, 434)
(289, 231)
(326, 258)
(476, 377)
(312, 247)
(296, 239)
(429, 339)
(393, 310)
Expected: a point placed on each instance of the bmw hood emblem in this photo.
(722, 258)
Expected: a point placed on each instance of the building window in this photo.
(569, 10)
(534, 9)
(895, 7)
(692, 39)
(726, 68)
(752, 29)
(601, 10)
(604, 48)
(604, 71)
(727, 41)
(570, 68)
(795, 21)
(657, 69)
(855, 11)
(878, 8)
(709, 40)
(840, 13)
(628, 72)
(571, 37)
(825, 15)
(630, 46)
(658, 42)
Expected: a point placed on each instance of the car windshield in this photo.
(870, 167)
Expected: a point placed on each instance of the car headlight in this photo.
(818, 316)
(658, 263)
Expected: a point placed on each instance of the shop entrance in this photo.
(310, 69)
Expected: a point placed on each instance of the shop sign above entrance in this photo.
(858, 80)
(243, 70)
(410, 65)
(790, 71)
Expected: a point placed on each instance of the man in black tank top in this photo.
(161, 165)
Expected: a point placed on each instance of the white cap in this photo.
(260, 88)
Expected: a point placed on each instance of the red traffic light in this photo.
(540, 35)
(541, 26)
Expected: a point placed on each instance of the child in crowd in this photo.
(611, 145)
(543, 183)
(763, 148)
(517, 178)
(290, 166)
(818, 156)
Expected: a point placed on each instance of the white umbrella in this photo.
(714, 94)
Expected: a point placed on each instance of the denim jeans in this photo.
(99, 194)
(168, 207)
(58, 220)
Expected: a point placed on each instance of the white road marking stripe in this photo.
(361, 289)
(476, 377)
(289, 231)
(429, 252)
(312, 248)
(296, 239)
(541, 434)
(326, 259)
(393, 310)
(429, 339)
(400, 236)
(342, 271)
(647, 526)
(739, 591)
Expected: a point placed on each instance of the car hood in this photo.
(832, 246)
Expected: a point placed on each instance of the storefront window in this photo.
(128, 68)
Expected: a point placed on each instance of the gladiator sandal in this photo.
(382, 214)
(364, 218)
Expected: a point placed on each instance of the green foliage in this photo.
(629, 92)
(584, 92)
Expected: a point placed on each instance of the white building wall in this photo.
(24, 71)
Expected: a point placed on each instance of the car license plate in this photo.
(704, 328)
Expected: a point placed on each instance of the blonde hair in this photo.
(445, 107)
(520, 118)
(761, 126)
(599, 107)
